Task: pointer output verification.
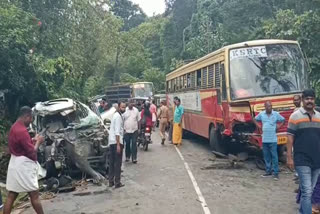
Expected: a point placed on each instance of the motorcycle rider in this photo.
(146, 117)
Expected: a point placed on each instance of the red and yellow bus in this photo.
(222, 91)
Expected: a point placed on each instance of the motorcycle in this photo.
(144, 138)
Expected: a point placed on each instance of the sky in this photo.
(151, 6)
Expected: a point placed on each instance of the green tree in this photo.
(173, 32)
(157, 77)
(130, 13)
(304, 28)
(18, 35)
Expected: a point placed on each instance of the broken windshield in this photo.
(266, 70)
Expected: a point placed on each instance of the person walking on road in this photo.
(269, 119)
(297, 102)
(164, 116)
(171, 116)
(177, 123)
(153, 110)
(116, 146)
(131, 121)
(304, 138)
(23, 168)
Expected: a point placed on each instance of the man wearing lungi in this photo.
(23, 169)
(177, 123)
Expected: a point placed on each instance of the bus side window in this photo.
(217, 80)
(204, 77)
(193, 80)
(223, 80)
(178, 83)
(210, 76)
(217, 75)
(198, 79)
(188, 80)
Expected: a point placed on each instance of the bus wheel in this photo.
(216, 142)
(260, 163)
(186, 134)
(282, 153)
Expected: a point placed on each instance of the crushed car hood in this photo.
(64, 106)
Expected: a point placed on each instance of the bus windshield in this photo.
(143, 90)
(266, 70)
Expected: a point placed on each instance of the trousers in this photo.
(131, 145)
(115, 163)
(270, 155)
(163, 126)
(308, 178)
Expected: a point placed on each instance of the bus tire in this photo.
(185, 134)
(216, 141)
(282, 153)
(260, 163)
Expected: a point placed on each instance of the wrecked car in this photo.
(76, 139)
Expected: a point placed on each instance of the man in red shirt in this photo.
(23, 169)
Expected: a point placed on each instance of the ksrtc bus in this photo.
(222, 91)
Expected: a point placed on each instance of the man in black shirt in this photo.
(304, 136)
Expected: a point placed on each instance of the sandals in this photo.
(119, 185)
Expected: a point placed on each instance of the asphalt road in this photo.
(186, 180)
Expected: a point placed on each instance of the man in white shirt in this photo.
(116, 146)
(131, 120)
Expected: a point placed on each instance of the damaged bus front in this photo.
(258, 73)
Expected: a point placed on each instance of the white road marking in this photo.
(195, 184)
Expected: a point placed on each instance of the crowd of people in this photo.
(126, 125)
(303, 145)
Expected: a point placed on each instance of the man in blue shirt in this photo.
(270, 120)
(177, 123)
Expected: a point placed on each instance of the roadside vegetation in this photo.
(51, 49)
